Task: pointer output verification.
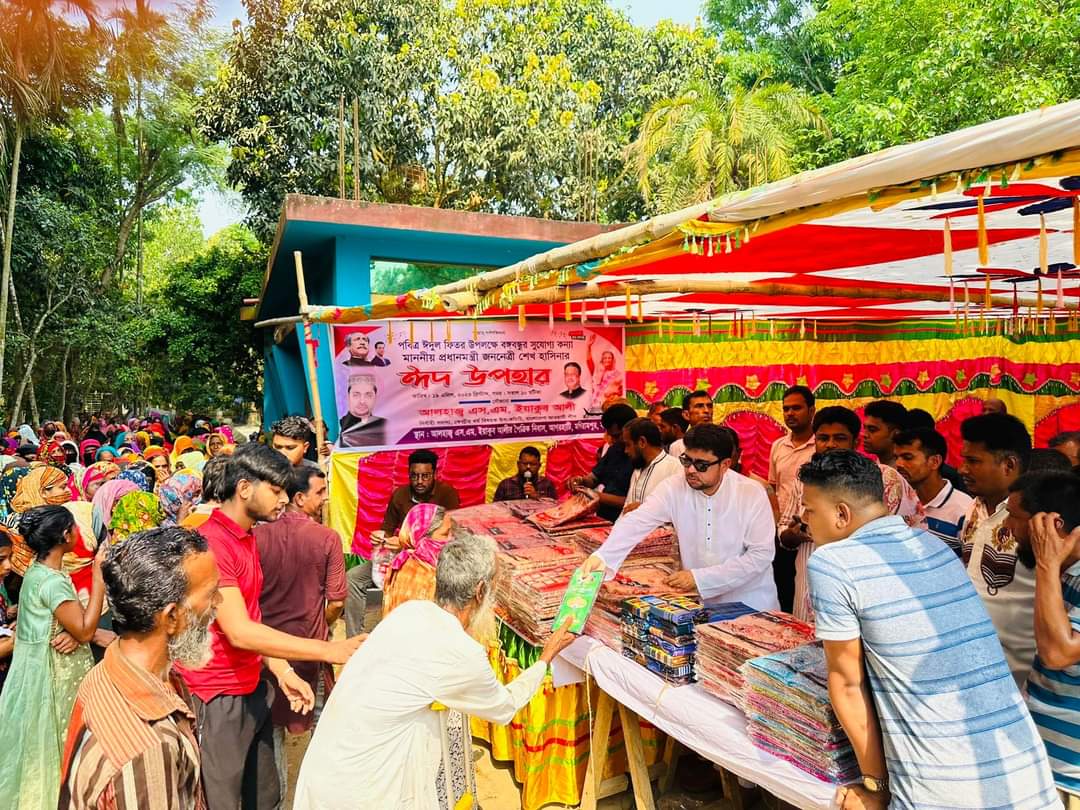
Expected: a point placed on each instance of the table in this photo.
(707, 725)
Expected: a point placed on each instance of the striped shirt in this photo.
(131, 743)
(1054, 699)
(945, 515)
(956, 730)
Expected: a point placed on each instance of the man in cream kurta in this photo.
(378, 745)
(725, 539)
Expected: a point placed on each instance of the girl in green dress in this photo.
(51, 658)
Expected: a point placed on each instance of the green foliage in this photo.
(201, 355)
(923, 68)
(522, 107)
(705, 142)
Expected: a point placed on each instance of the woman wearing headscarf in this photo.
(9, 482)
(412, 573)
(28, 436)
(182, 445)
(96, 475)
(107, 453)
(142, 440)
(179, 496)
(42, 485)
(105, 502)
(120, 440)
(51, 452)
(192, 460)
(138, 478)
(135, 512)
(215, 444)
(87, 450)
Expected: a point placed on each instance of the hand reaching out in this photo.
(297, 691)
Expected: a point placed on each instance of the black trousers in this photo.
(236, 738)
(784, 576)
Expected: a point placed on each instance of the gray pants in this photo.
(359, 578)
(237, 742)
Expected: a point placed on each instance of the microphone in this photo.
(528, 479)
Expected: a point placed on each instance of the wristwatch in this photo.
(876, 785)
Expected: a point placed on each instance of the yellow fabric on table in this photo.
(548, 740)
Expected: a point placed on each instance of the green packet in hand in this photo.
(578, 600)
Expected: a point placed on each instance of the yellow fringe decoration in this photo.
(431, 331)
(412, 331)
(449, 332)
(389, 332)
(984, 244)
(629, 314)
(521, 317)
(641, 309)
(1038, 297)
(566, 314)
(475, 330)
(986, 294)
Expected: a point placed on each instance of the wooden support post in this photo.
(341, 147)
(598, 752)
(356, 148)
(732, 789)
(309, 349)
(672, 751)
(635, 755)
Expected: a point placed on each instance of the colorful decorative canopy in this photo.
(980, 223)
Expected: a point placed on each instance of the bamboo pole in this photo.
(356, 147)
(309, 348)
(592, 290)
(341, 147)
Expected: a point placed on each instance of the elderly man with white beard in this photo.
(132, 741)
(378, 744)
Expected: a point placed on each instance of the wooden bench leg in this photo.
(598, 753)
(672, 751)
(732, 789)
(635, 755)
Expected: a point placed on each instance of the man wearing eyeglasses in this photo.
(723, 521)
(423, 487)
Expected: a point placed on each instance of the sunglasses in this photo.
(697, 464)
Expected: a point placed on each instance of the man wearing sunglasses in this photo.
(723, 520)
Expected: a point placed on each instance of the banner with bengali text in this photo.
(464, 383)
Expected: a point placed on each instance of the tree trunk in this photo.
(123, 234)
(62, 410)
(9, 232)
(15, 414)
(34, 414)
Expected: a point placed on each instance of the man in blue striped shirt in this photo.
(917, 676)
(1044, 513)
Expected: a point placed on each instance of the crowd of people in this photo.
(167, 594)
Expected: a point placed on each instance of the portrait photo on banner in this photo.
(413, 385)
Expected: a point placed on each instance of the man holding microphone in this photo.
(528, 483)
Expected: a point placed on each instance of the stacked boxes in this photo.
(658, 632)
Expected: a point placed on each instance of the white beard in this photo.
(193, 648)
(483, 626)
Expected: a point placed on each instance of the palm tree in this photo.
(44, 61)
(144, 40)
(709, 141)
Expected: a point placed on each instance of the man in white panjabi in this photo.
(723, 520)
(378, 743)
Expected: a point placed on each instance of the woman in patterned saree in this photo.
(41, 684)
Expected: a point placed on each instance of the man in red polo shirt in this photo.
(232, 697)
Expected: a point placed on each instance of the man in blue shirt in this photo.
(1044, 513)
(917, 676)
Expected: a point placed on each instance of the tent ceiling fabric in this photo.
(862, 239)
